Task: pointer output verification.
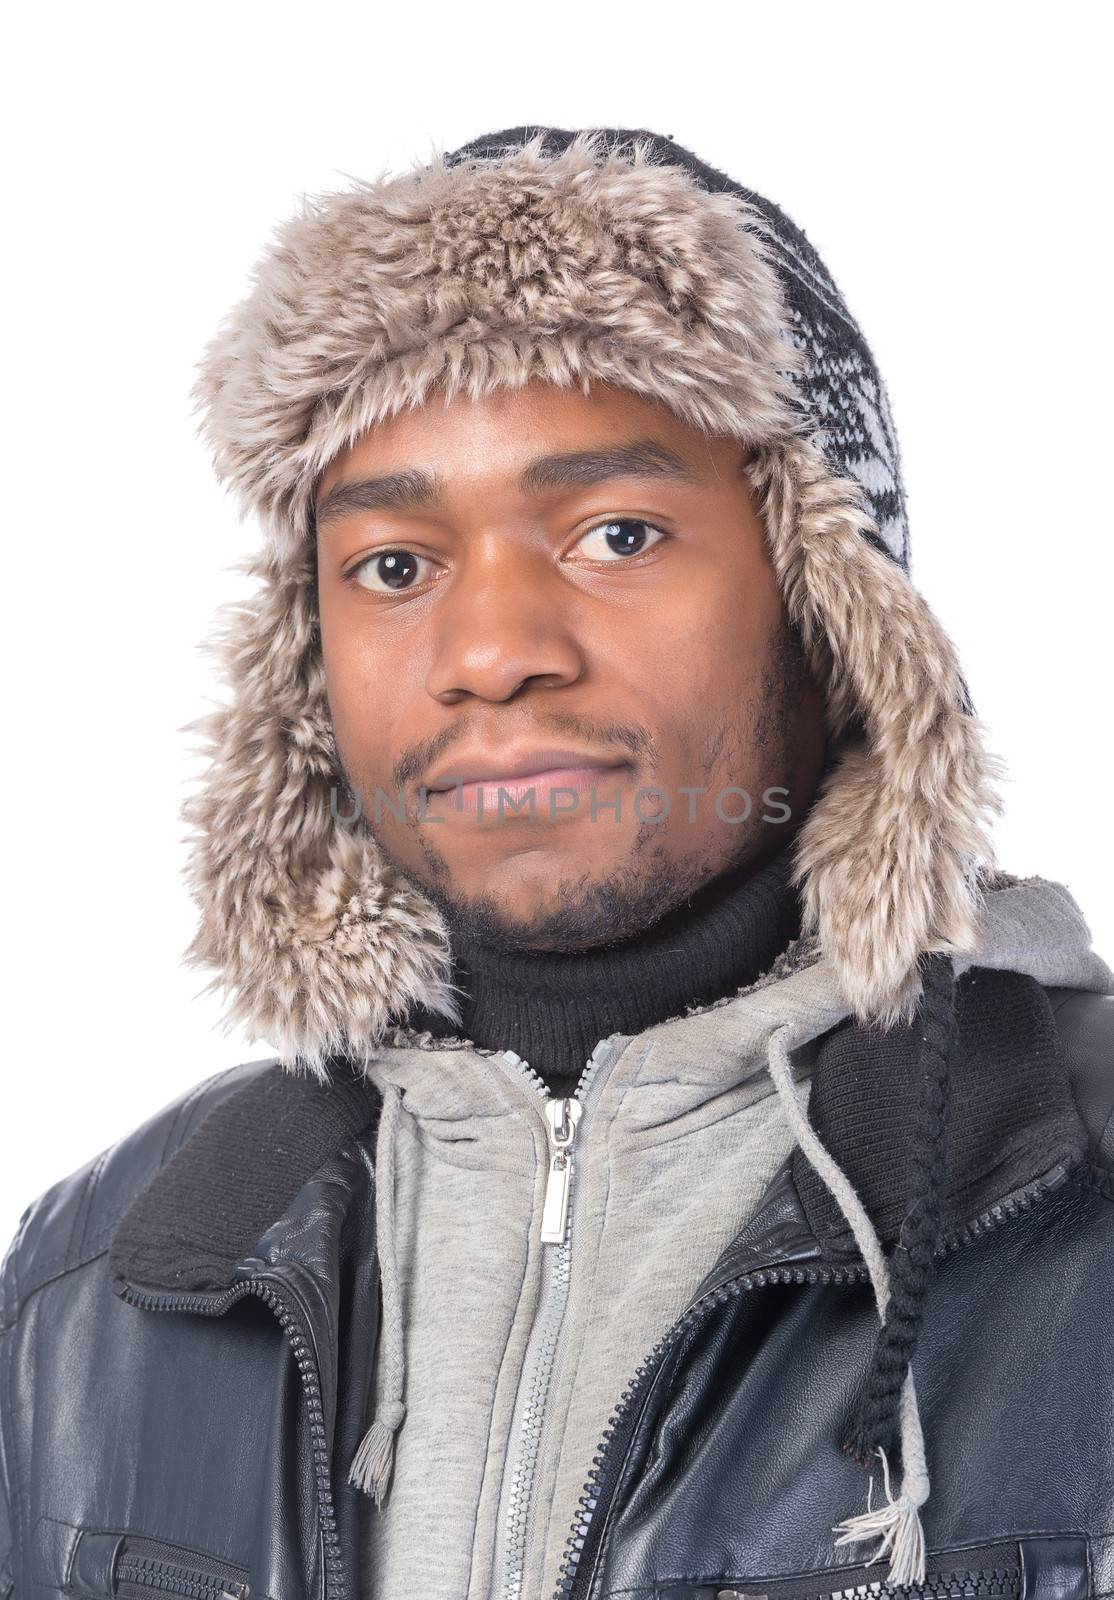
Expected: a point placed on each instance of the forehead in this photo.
(496, 436)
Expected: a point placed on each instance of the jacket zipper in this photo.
(565, 1123)
(334, 1583)
(590, 1525)
(154, 1564)
(184, 1582)
(992, 1572)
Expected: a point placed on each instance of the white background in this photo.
(949, 163)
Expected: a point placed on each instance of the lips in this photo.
(494, 767)
(556, 794)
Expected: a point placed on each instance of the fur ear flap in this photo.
(319, 942)
(889, 857)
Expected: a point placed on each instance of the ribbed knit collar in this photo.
(553, 1007)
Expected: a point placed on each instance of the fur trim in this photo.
(583, 266)
(891, 853)
(580, 266)
(318, 940)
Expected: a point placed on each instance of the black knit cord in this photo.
(913, 1263)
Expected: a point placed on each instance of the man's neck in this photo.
(553, 1007)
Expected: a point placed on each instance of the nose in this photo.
(504, 622)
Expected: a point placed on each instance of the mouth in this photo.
(538, 785)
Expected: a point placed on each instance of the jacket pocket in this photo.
(96, 1564)
(146, 1567)
(1034, 1567)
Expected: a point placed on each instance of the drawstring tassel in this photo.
(371, 1465)
(899, 1525)
(370, 1468)
(898, 1522)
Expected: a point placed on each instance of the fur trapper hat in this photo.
(602, 255)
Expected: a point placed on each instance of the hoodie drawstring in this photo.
(898, 1523)
(371, 1465)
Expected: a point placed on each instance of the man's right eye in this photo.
(389, 571)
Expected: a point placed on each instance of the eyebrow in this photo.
(415, 489)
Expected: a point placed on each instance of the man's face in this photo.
(554, 643)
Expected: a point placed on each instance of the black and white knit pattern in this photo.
(841, 390)
(841, 387)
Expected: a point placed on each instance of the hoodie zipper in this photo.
(566, 1120)
(563, 1117)
(590, 1525)
(295, 1324)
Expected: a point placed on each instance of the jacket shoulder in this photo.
(72, 1222)
(1085, 1024)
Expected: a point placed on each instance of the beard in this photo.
(585, 911)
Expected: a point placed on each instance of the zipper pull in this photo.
(563, 1116)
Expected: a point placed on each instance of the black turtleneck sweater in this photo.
(552, 1007)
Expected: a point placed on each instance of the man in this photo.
(594, 795)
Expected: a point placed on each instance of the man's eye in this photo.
(388, 571)
(623, 536)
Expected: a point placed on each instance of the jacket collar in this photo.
(1010, 1117)
(237, 1180)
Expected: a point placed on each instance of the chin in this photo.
(534, 873)
(524, 887)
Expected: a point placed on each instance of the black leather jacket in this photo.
(187, 1340)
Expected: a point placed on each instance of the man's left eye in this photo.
(624, 536)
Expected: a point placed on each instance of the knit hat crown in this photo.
(836, 387)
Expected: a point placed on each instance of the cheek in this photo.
(362, 704)
(700, 667)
